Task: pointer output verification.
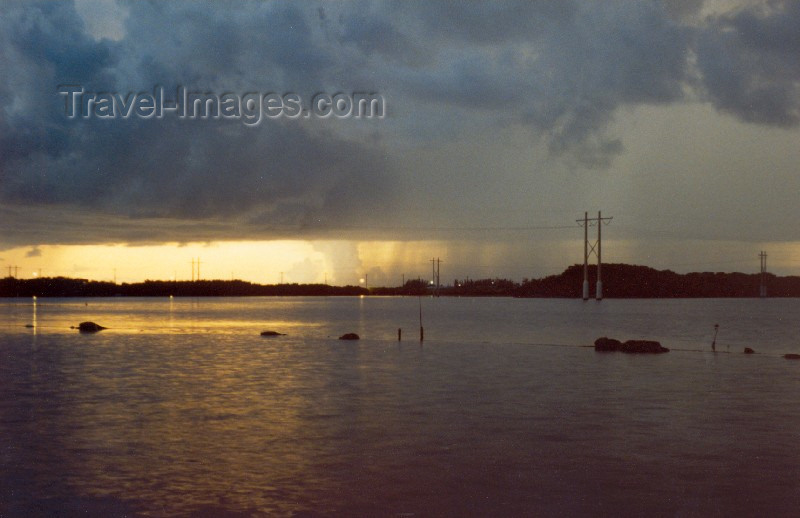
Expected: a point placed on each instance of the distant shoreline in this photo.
(620, 281)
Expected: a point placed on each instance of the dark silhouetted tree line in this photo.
(64, 287)
(619, 281)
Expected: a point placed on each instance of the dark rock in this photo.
(272, 333)
(89, 327)
(748, 350)
(349, 336)
(792, 356)
(631, 346)
(643, 346)
(607, 344)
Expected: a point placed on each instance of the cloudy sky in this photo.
(504, 122)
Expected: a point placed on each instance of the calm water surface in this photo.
(180, 408)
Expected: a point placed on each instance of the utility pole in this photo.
(115, 275)
(435, 269)
(192, 269)
(585, 256)
(599, 293)
(198, 268)
(763, 288)
(366, 280)
(16, 272)
(592, 248)
(438, 278)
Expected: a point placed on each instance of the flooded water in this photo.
(182, 408)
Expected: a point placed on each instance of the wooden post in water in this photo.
(399, 334)
(714, 341)
(421, 330)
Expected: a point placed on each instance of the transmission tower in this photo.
(435, 264)
(195, 263)
(592, 248)
(763, 288)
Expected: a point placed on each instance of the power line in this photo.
(460, 229)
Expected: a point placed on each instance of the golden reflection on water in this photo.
(34, 322)
(209, 423)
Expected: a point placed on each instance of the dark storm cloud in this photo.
(750, 62)
(683, 9)
(560, 70)
(171, 168)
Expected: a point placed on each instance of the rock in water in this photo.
(89, 327)
(643, 346)
(748, 350)
(792, 356)
(272, 333)
(607, 344)
(631, 346)
(349, 336)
